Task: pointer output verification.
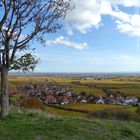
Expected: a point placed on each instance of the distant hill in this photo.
(78, 74)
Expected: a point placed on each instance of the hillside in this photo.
(34, 126)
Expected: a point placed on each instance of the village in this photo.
(62, 95)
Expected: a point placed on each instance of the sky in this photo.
(97, 36)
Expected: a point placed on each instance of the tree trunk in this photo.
(4, 93)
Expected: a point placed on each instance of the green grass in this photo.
(33, 127)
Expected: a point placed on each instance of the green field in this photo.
(128, 91)
(88, 90)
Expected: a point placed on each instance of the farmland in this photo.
(74, 121)
(126, 85)
(88, 90)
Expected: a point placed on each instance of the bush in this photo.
(126, 132)
(103, 114)
(76, 82)
(112, 114)
(16, 98)
(138, 110)
(33, 103)
(122, 115)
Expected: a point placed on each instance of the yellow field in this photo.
(128, 91)
(65, 113)
(85, 107)
(111, 83)
(96, 107)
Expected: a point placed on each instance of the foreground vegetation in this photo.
(34, 126)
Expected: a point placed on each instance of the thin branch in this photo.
(15, 46)
(6, 11)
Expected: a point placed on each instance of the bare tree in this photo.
(23, 21)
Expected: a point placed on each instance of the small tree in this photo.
(23, 21)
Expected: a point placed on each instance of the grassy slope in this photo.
(31, 126)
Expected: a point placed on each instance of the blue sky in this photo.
(97, 36)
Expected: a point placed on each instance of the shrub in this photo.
(138, 110)
(103, 114)
(16, 98)
(33, 103)
(122, 115)
(76, 82)
(111, 114)
(126, 132)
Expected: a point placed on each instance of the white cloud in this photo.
(84, 16)
(126, 3)
(88, 15)
(66, 42)
(126, 23)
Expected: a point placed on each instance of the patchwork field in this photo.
(127, 85)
